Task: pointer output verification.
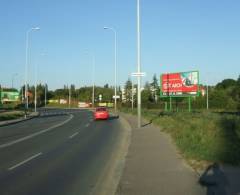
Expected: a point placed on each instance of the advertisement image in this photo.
(180, 84)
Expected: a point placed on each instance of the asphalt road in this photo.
(60, 152)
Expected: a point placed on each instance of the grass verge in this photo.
(202, 136)
(11, 115)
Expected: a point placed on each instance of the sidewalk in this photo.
(154, 167)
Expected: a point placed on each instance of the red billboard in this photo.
(180, 84)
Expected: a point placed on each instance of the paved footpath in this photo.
(154, 167)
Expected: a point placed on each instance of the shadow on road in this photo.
(113, 117)
(214, 180)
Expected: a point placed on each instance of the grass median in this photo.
(201, 136)
(11, 115)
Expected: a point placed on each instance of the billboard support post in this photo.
(170, 103)
(189, 104)
(166, 106)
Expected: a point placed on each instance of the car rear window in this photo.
(101, 109)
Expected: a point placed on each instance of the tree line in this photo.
(225, 95)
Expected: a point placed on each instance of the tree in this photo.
(106, 86)
(155, 82)
(128, 90)
(155, 88)
(146, 94)
(226, 83)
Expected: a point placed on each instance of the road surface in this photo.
(60, 152)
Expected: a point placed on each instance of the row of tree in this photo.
(225, 95)
(83, 94)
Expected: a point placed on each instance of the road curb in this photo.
(15, 121)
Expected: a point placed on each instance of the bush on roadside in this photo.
(205, 136)
(11, 116)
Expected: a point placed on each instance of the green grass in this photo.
(11, 115)
(10, 106)
(202, 136)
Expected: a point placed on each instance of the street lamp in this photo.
(115, 72)
(35, 86)
(26, 65)
(139, 64)
(45, 94)
(93, 77)
(35, 89)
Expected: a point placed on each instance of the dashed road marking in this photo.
(73, 135)
(25, 161)
(35, 134)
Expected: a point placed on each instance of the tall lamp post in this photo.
(138, 64)
(35, 85)
(45, 94)
(35, 89)
(93, 81)
(115, 66)
(26, 65)
(69, 96)
(93, 77)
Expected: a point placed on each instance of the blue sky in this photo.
(176, 36)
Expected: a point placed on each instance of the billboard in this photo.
(180, 84)
(9, 96)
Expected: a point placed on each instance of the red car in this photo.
(101, 113)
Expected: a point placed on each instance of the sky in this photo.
(176, 36)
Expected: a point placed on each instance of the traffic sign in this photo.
(138, 74)
(117, 97)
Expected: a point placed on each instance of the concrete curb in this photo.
(11, 122)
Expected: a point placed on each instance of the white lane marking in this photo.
(73, 135)
(87, 125)
(25, 161)
(35, 134)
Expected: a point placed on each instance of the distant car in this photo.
(101, 113)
